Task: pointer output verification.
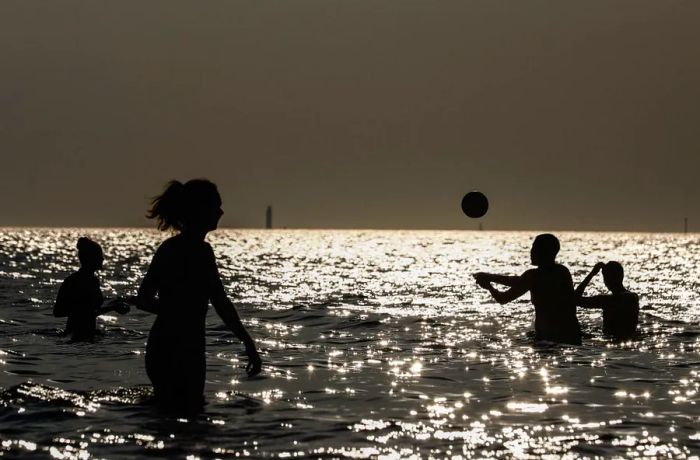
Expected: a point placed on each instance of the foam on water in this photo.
(375, 344)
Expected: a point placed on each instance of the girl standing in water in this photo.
(181, 281)
(80, 297)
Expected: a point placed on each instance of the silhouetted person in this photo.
(551, 292)
(620, 307)
(181, 281)
(80, 298)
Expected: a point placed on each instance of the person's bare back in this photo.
(552, 294)
(620, 307)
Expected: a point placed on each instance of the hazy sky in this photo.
(351, 113)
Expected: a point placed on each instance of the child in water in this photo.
(620, 307)
(181, 281)
(80, 298)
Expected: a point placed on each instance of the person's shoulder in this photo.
(530, 274)
(71, 279)
(629, 297)
(80, 280)
(563, 272)
(209, 250)
(168, 245)
(170, 242)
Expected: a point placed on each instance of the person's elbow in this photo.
(502, 300)
(145, 303)
(221, 303)
(227, 312)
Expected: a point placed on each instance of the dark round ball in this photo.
(475, 204)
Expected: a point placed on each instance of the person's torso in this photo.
(184, 290)
(552, 294)
(85, 299)
(620, 319)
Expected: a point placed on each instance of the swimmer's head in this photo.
(613, 274)
(90, 254)
(544, 249)
(194, 205)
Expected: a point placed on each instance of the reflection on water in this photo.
(376, 344)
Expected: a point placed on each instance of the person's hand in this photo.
(598, 267)
(119, 305)
(122, 309)
(132, 299)
(254, 362)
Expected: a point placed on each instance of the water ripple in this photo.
(375, 343)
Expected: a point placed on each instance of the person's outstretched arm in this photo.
(518, 285)
(505, 280)
(596, 301)
(582, 287)
(227, 312)
(118, 305)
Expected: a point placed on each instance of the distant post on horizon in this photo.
(685, 225)
(268, 217)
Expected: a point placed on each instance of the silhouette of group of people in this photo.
(555, 300)
(183, 279)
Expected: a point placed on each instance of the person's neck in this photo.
(193, 234)
(86, 271)
(618, 290)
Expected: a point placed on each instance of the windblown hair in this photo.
(179, 202)
(88, 250)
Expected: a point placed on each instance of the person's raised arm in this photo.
(582, 287)
(227, 312)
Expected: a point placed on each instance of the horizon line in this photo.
(514, 230)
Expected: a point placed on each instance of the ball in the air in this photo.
(475, 204)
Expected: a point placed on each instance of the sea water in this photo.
(375, 344)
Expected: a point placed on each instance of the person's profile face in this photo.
(94, 261)
(607, 283)
(216, 217)
(535, 255)
(213, 214)
(542, 252)
(613, 283)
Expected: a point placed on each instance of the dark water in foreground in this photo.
(377, 344)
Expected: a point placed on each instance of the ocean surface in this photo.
(377, 344)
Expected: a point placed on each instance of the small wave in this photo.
(370, 323)
(28, 392)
